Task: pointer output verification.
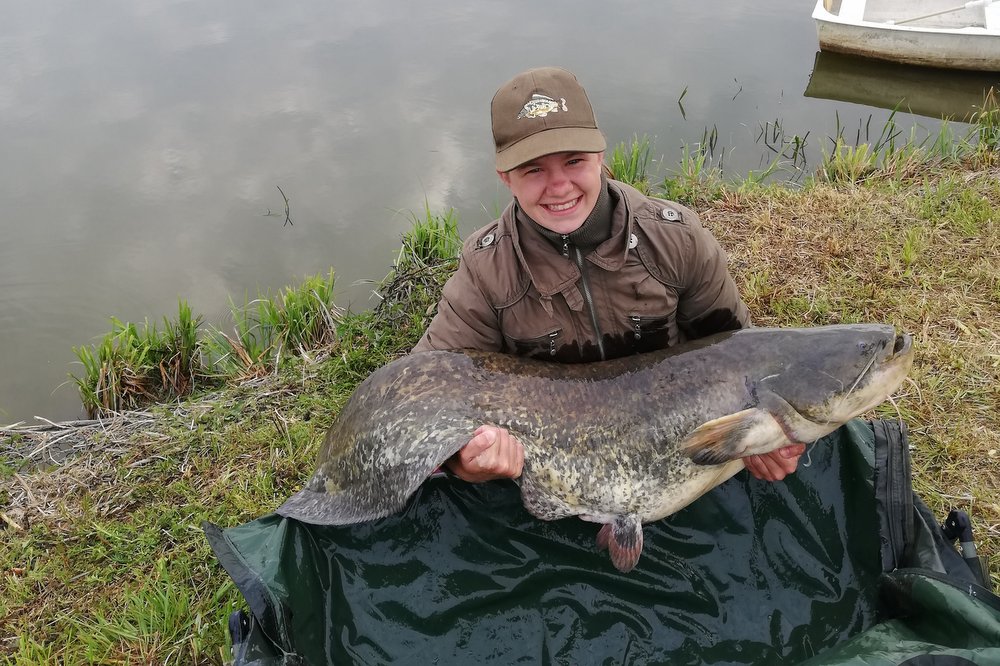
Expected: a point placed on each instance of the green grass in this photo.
(846, 163)
(135, 366)
(132, 367)
(695, 179)
(159, 623)
(428, 254)
(629, 162)
(431, 238)
(106, 563)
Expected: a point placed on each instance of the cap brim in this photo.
(546, 142)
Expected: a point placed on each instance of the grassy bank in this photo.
(102, 556)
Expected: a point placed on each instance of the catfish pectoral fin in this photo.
(734, 436)
(623, 538)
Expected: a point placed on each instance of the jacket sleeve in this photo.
(710, 302)
(465, 318)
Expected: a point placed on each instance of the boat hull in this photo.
(933, 42)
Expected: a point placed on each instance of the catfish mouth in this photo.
(880, 379)
(884, 370)
(903, 344)
(900, 356)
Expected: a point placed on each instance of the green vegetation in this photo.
(267, 331)
(695, 179)
(132, 368)
(431, 239)
(102, 557)
(630, 162)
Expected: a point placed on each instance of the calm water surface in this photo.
(143, 142)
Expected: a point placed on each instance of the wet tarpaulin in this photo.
(838, 564)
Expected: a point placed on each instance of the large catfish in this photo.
(620, 442)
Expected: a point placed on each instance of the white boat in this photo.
(932, 33)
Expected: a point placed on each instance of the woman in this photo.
(579, 267)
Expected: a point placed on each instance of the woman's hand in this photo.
(776, 465)
(492, 453)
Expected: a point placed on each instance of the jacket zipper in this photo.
(587, 297)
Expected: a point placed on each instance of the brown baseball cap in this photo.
(539, 112)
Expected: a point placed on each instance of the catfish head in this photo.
(802, 384)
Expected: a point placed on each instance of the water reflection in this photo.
(935, 93)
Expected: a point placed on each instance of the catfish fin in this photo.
(604, 536)
(375, 478)
(737, 435)
(321, 508)
(623, 538)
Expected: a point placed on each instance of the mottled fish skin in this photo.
(602, 440)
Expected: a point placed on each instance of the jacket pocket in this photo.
(649, 332)
(542, 346)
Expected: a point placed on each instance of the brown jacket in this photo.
(661, 278)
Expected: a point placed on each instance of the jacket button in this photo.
(487, 240)
(669, 214)
(632, 241)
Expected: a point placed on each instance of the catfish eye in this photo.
(867, 347)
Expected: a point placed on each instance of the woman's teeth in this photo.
(561, 207)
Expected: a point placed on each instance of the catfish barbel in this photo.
(621, 442)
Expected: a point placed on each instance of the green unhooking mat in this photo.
(838, 564)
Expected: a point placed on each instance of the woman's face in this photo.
(557, 191)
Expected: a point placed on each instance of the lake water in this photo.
(144, 142)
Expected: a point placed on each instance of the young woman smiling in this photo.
(579, 267)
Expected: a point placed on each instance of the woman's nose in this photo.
(557, 179)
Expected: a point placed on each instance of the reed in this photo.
(268, 329)
(309, 317)
(408, 294)
(115, 371)
(891, 155)
(790, 149)
(695, 177)
(986, 127)
(134, 366)
(430, 239)
(131, 366)
(848, 164)
(629, 162)
(181, 351)
(246, 353)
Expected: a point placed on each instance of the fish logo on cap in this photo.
(540, 106)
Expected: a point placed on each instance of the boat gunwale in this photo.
(821, 15)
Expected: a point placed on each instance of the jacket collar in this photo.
(548, 269)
